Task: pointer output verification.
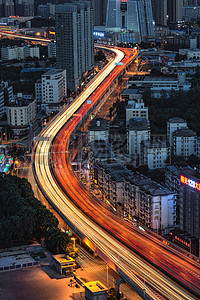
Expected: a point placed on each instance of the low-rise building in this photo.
(95, 290)
(138, 130)
(159, 84)
(191, 53)
(187, 66)
(98, 130)
(63, 264)
(184, 142)
(154, 154)
(136, 109)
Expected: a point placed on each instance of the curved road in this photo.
(58, 183)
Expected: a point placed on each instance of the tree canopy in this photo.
(23, 218)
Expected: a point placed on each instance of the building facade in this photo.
(135, 15)
(154, 154)
(159, 8)
(21, 116)
(174, 124)
(184, 142)
(138, 130)
(53, 87)
(74, 40)
(136, 109)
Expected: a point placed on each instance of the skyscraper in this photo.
(133, 15)
(100, 7)
(174, 10)
(159, 8)
(74, 40)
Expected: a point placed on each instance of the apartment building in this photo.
(184, 142)
(19, 53)
(154, 154)
(98, 130)
(138, 130)
(137, 196)
(174, 124)
(136, 109)
(53, 89)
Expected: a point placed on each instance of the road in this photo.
(100, 226)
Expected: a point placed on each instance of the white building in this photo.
(98, 130)
(54, 87)
(136, 109)
(184, 142)
(187, 66)
(154, 154)
(21, 116)
(19, 53)
(191, 53)
(31, 51)
(152, 204)
(159, 84)
(52, 49)
(138, 130)
(174, 124)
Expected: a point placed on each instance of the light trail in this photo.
(133, 266)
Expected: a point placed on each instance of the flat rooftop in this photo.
(95, 286)
(7, 261)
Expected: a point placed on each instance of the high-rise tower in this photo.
(159, 8)
(133, 15)
(74, 40)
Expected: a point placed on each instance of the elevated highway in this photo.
(136, 257)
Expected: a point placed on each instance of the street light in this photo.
(73, 239)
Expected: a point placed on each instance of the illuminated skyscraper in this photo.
(133, 15)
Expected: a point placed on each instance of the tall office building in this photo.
(24, 8)
(100, 7)
(74, 40)
(7, 8)
(133, 15)
(174, 10)
(159, 8)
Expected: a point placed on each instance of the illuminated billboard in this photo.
(190, 182)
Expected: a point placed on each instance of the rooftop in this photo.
(139, 124)
(130, 92)
(98, 124)
(154, 144)
(95, 286)
(147, 78)
(184, 132)
(62, 258)
(176, 120)
(53, 72)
